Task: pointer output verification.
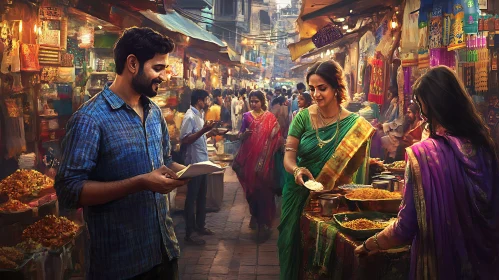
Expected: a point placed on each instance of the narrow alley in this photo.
(232, 253)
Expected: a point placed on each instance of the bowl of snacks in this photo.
(369, 199)
(396, 167)
(362, 225)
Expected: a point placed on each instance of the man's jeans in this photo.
(196, 199)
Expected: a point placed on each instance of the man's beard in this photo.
(141, 85)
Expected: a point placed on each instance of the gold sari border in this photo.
(360, 132)
(426, 264)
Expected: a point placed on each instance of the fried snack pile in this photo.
(51, 231)
(373, 194)
(29, 246)
(397, 165)
(25, 183)
(365, 224)
(10, 257)
(14, 206)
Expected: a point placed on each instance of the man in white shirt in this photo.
(236, 109)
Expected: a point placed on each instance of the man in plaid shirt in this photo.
(116, 163)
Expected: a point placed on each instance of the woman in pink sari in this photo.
(254, 164)
(450, 210)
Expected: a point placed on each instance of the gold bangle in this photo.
(296, 170)
(291, 150)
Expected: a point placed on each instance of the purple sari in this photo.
(450, 211)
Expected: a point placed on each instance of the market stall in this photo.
(334, 223)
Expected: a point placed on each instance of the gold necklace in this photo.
(255, 114)
(322, 143)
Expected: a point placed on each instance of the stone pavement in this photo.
(233, 252)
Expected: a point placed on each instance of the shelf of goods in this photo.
(330, 238)
(35, 242)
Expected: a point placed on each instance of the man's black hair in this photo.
(143, 42)
(198, 94)
(216, 93)
(300, 86)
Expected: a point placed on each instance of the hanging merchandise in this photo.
(29, 58)
(442, 56)
(409, 40)
(65, 75)
(436, 26)
(447, 22)
(423, 44)
(471, 14)
(456, 36)
(49, 74)
(14, 124)
(50, 33)
(10, 60)
(376, 86)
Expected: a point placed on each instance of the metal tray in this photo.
(379, 205)
(360, 234)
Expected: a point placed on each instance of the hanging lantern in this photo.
(86, 37)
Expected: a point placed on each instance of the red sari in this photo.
(254, 165)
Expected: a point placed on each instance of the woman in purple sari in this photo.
(450, 211)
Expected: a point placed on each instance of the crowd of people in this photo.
(117, 164)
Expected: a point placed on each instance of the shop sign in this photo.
(50, 13)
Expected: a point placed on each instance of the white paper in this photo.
(197, 169)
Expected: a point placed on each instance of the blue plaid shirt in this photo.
(106, 141)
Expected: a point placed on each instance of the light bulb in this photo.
(340, 19)
(20, 26)
(345, 27)
(394, 24)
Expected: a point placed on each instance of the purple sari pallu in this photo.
(456, 199)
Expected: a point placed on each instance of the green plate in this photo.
(361, 234)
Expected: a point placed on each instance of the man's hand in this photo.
(208, 125)
(162, 180)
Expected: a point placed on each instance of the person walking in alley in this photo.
(449, 213)
(236, 111)
(193, 134)
(254, 164)
(116, 164)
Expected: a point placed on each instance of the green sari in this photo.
(335, 164)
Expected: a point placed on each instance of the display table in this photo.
(329, 254)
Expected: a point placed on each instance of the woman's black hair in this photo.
(143, 42)
(442, 95)
(261, 96)
(333, 74)
(307, 97)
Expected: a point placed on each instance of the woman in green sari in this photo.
(325, 143)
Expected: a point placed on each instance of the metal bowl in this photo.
(330, 204)
(379, 205)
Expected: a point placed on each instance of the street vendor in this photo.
(325, 142)
(402, 134)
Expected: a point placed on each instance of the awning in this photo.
(315, 14)
(301, 67)
(212, 56)
(179, 24)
